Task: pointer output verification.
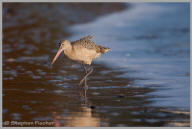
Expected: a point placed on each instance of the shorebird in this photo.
(83, 51)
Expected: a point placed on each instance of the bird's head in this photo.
(63, 45)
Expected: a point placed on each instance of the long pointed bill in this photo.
(57, 55)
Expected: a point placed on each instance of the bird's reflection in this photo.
(82, 118)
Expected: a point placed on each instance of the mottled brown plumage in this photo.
(83, 50)
(87, 43)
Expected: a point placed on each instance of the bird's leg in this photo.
(85, 95)
(85, 80)
(86, 86)
(85, 77)
(85, 69)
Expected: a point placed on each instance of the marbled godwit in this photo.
(83, 51)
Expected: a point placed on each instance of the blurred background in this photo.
(142, 81)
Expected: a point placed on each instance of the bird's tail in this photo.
(104, 49)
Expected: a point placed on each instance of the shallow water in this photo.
(142, 81)
(155, 44)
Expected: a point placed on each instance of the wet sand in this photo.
(34, 92)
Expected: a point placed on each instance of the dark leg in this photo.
(85, 95)
(85, 87)
(85, 69)
(85, 77)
